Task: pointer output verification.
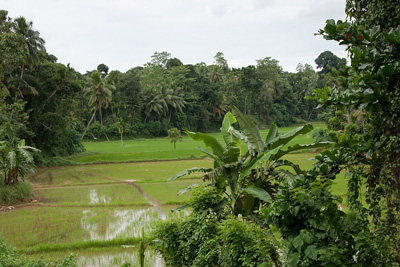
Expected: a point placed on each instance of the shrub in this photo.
(155, 128)
(22, 191)
(8, 257)
(208, 238)
(16, 193)
(320, 135)
(317, 232)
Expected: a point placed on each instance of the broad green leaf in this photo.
(253, 135)
(209, 141)
(388, 70)
(229, 119)
(260, 160)
(330, 27)
(298, 147)
(288, 163)
(311, 252)
(298, 242)
(258, 192)
(285, 138)
(272, 133)
(293, 259)
(187, 189)
(180, 208)
(217, 160)
(248, 202)
(189, 171)
(231, 154)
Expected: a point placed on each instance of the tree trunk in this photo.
(101, 115)
(12, 177)
(122, 140)
(87, 127)
(108, 140)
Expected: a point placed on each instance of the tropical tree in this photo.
(163, 97)
(251, 176)
(372, 37)
(16, 160)
(327, 60)
(32, 44)
(174, 135)
(99, 93)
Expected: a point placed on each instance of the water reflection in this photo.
(94, 198)
(151, 259)
(123, 223)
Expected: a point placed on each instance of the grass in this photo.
(166, 193)
(94, 206)
(159, 148)
(113, 173)
(102, 195)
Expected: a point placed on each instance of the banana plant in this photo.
(16, 160)
(249, 177)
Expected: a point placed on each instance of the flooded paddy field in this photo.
(97, 211)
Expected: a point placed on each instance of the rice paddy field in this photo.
(97, 208)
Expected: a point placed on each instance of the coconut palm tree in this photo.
(162, 98)
(32, 44)
(99, 93)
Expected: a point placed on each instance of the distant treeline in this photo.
(53, 107)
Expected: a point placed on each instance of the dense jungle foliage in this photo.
(283, 217)
(53, 107)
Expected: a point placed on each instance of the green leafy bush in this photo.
(8, 258)
(317, 232)
(16, 193)
(208, 238)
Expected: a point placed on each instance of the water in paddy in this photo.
(82, 213)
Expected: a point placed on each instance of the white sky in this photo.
(125, 33)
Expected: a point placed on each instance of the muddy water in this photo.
(71, 213)
(152, 259)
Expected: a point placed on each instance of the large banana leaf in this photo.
(231, 154)
(288, 163)
(217, 161)
(258, 192)
(189, 171)
(253, 135)
(256, 163)
(209, 141)
(285, 138)
(297, 147)
(229, 119)
(187, 189)
(272, 133)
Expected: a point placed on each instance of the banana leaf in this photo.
(258, 192)
(298, 147)
(260, 160)
(209, 141)
(272, 133)
(189, 171)
(285, 138)
(250, 130)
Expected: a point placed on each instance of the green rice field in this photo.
(97, 208)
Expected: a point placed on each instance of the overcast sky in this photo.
(125, 33)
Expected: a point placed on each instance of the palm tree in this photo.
(16, 160)
(32, 44)
(161, 98)
(99, 92)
